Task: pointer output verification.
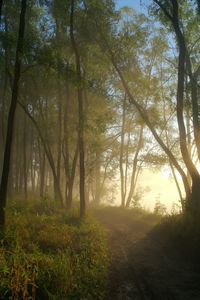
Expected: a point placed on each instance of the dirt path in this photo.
(142, 267)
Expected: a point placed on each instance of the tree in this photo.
(11, 117)
(80, 115)
(171, 11)
(112, 54)
(1, 5)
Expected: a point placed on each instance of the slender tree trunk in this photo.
(134, 169)
(195, 106)
(25, 157)
(97, 179)
(59, 140)
(16, 159)
(170, 164)
(1, 5)
(180, 97)
(127, 162)
(178, 187)
(189, 138)
(71, 178)
(42, 175)
(121, 155)
(66, 148)
(5, 85)
(32, 162)
(11, 116)
(193, 200)
(42, 169)
(20, 159)
(69, 172)
(69, 196)
(59, 104)
(80, 114)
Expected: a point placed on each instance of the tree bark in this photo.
(80, 114)
(1, 5)
(195, 107)
(5, 85)
(66, 149)
(11, 116)
(59, 141)
(42, 163)
(25, 157)
(72, 177)
(121, 155)
(183, 60)
(134, 170)
(97, 178)
(178, 187)
(180, 97)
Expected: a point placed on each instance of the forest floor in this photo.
(143, 266)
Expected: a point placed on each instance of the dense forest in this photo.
(92, 93)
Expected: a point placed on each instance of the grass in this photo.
(52, 255)
(181, 233)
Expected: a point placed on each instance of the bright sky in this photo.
(138, 5)
(162, 188)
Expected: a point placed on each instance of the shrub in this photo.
(182, 232)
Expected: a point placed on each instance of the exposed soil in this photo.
(143, 266)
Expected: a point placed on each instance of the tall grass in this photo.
(52, 256)
(181, 232)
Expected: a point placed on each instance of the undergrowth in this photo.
(181, 233)
(52, 256)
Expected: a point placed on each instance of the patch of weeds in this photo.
(182, 233)
(52, 257)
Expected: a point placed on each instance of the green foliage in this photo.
(52, 257)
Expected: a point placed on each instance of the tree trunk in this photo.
(32, 159)
(134, 170)
(97, 179)
(180, 97)
(178, 187)
(1, 5)
(195, 106)
(70, 183)
(121, 155)
(5, 85)
(59, 104)
(24, 157)
(16, 158)
(184, 60)
(80, 114)
(11, 116)
(59, 149)
(66, 148)
(42, 170)
(59, 140)
(189, 138)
